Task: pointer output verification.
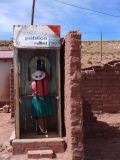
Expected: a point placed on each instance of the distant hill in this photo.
(91, 52)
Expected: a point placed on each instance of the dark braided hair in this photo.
(40, 65)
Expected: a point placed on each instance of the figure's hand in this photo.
(57, 97)
(33, 85)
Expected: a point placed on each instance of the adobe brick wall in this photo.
(101, 87)
(73, 106)
(12, 105)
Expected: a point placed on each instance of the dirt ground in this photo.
(6, 129)
(104, 144)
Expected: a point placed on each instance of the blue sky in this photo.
(51, 12)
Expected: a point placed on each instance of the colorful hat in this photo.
(38, 75)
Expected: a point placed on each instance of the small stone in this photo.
(9, 149)
(6, 108)
(12, 137)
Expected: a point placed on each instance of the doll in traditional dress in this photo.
(41, 104)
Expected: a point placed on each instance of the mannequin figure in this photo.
(41, 104)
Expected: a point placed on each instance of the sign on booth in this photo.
(36, 36)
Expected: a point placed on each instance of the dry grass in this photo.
(91, 53)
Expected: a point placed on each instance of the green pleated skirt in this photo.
(41, 107)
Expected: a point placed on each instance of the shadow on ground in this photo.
(101, 141)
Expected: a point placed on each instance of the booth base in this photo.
(22, 146)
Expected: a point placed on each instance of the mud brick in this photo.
(73, 107)
(108, 86)
(36, 154)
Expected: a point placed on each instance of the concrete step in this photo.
(22, 146)
(37, 154)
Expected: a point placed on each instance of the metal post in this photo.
(33, 11)
(101, 46)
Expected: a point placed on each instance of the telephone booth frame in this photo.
(35, 38)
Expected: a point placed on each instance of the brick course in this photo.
(12, 105)
(22, 146)
(101, 87)
(73, 106)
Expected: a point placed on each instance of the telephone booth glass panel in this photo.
(27, 65)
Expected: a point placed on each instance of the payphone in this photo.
(30, 44)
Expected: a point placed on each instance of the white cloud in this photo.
(51, 12)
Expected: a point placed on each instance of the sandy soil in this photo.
(91, 53)
(6, 127)
(93, 59)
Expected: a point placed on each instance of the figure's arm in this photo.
(33, 86)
